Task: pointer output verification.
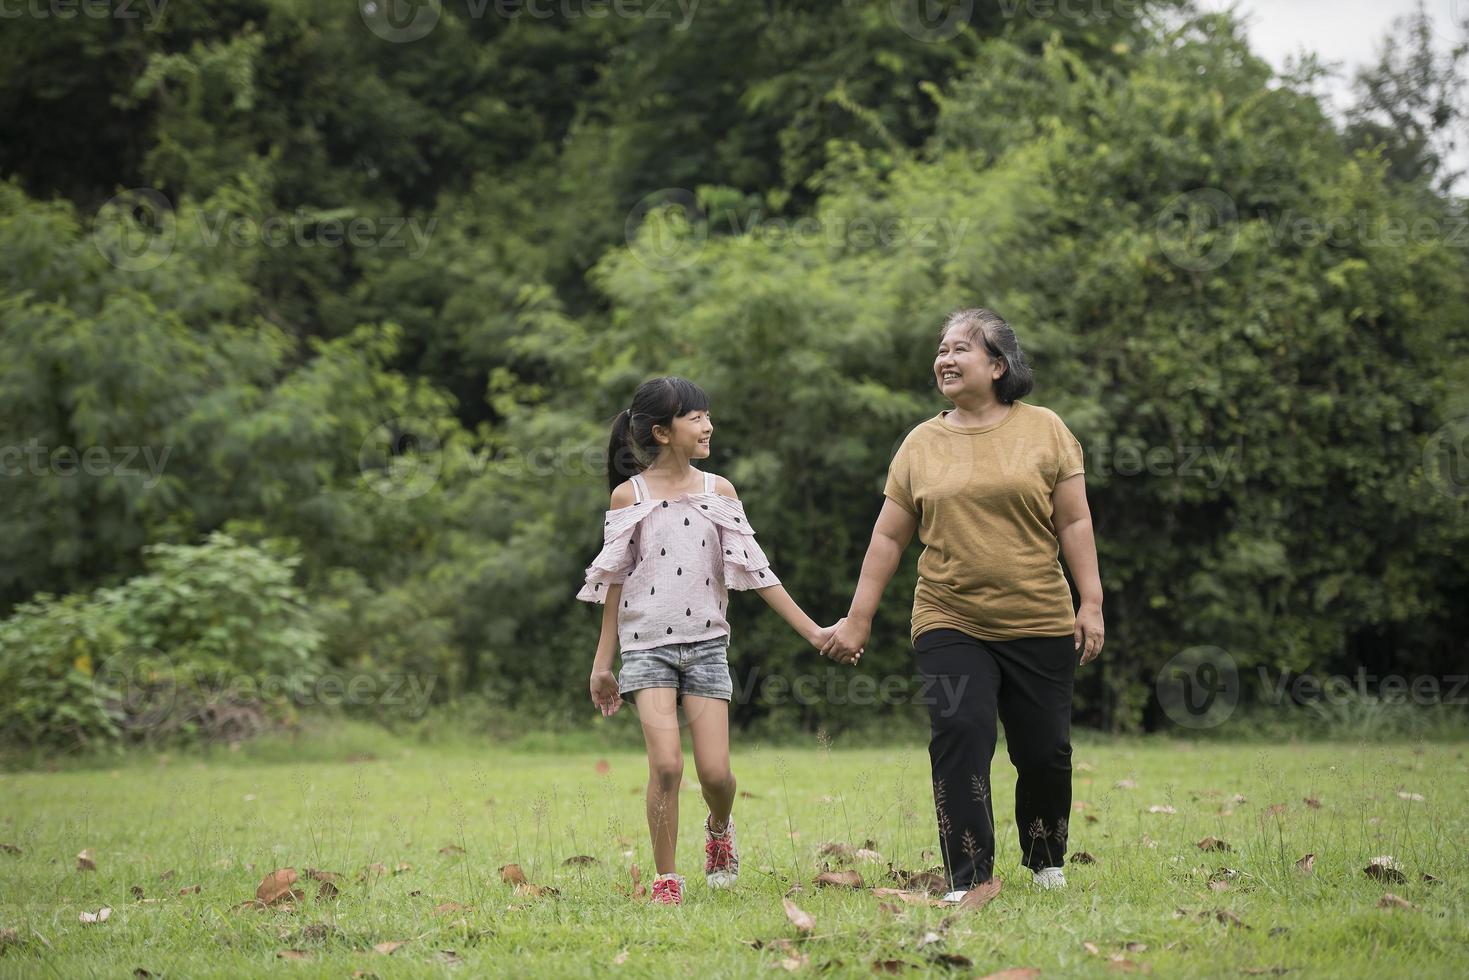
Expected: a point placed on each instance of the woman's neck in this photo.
(976, 412)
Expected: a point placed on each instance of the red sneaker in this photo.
(668, 889)
(721, 856)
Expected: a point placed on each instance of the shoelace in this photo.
(666, 889)
(720, 851)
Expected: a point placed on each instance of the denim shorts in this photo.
(699, 668)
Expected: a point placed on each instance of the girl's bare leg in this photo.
(709, 726)
(658, 712)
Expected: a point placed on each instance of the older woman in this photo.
(992, 487)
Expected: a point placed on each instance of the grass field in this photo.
(1146, 904)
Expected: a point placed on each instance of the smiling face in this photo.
(963, 367)
(688, 436)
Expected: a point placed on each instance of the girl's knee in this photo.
(718, 779)
(666, 773)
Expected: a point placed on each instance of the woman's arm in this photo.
(890, 535)
(1073, 522)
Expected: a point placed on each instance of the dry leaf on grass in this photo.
(386, 948)
(1384, 867)
(839, 879)
(276, 886)
(1014, 973)
(292, 954)
(1082, 857)
(1126, 784)
(1161, 808)
(603, 767)
(1415, 797)
(927, 881)
(451, 849)
(9, 848)
(1312, 802)
(836, 849)
(980, 895)
(1307, 864)
(190, 890)
(528, 890)
(447, 908)
(511, 874)
(326, 892)
(86, 861)
(316, 874)
(911, 897)
(1391, 901)
(91, 918)
(1213, 844)
(801, 920)
(579, 861)
(1229, 918)
(1123, 965)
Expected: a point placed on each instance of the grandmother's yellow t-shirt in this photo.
(982, 496)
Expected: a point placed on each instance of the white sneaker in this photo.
(1049, 878)
(955, 896)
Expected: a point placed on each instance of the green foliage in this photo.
(162, 656)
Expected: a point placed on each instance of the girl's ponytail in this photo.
(621, 460)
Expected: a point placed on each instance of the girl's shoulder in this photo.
(723, 487)
(623, 496)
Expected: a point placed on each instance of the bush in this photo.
(211, 643)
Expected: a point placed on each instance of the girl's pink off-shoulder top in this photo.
(676, 559)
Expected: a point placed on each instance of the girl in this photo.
(676, 539)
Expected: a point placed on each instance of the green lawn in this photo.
(225, 823)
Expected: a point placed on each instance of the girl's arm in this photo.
(777, 598)
(603, 683)
(607, 642)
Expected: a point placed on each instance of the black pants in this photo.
(1028, 681)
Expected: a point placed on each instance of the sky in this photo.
(1346, 31)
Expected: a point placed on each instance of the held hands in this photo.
(604, 692)
(844, 642)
